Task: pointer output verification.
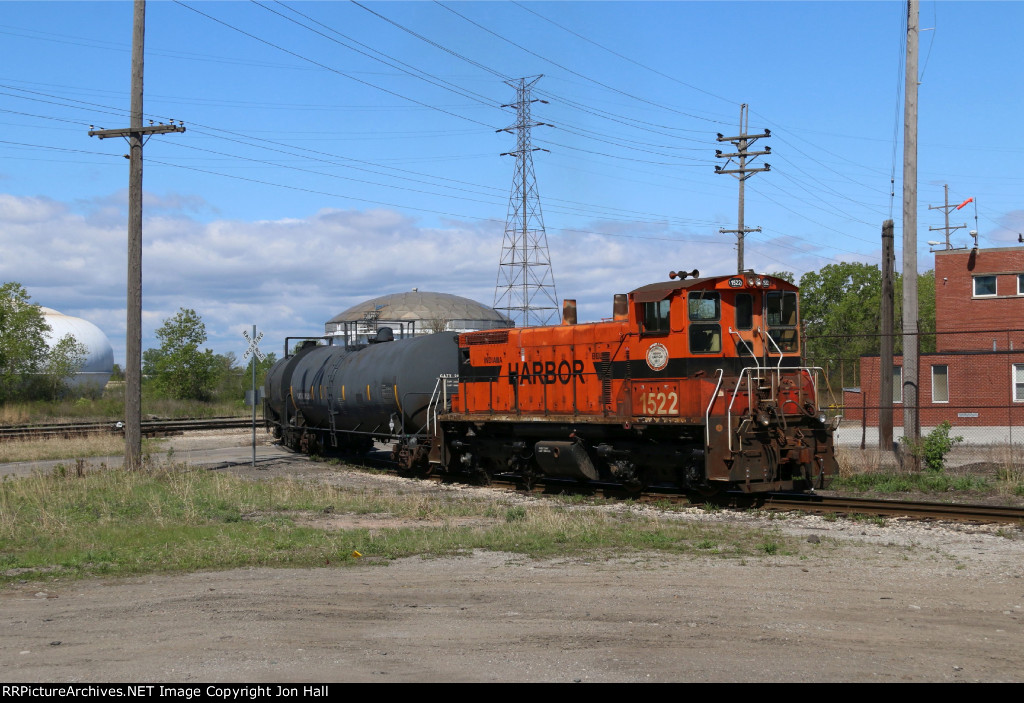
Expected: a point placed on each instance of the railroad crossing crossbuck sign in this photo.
(253, 345)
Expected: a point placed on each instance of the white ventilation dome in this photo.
(99, 357)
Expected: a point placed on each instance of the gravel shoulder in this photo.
(896, 602)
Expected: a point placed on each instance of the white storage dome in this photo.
(99, 359)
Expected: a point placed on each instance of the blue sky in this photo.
(337, 152)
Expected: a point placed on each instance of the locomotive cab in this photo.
(738, 316)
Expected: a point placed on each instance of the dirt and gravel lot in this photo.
(895, 602)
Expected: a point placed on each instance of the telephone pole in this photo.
(946, 207)
(526, 284)
(911, 348)
(742, 143)
(133, 340)
(886, 346)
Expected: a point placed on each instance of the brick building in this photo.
(975, 377)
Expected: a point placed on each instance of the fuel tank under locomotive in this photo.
(380, 389)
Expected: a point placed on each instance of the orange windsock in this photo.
(969, 200)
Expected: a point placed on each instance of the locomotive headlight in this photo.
(763, 419)
(822, 418)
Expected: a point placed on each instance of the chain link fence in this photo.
(972, 379)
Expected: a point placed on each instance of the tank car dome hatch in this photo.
(416, 312)
(99, 357)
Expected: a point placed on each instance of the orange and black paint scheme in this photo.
(696, 383)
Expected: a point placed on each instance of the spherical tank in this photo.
(99, 359)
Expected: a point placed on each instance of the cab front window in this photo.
(705, 309)
(782, 319)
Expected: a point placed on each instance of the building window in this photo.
(1020, 284)
(897, 384)
(984, 286)
(940, 384)
(1018, 383)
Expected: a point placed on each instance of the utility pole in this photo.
(133, 340)
(911, 417)
(886, 347)
(526, 284)
(742, 143)
(946, 207)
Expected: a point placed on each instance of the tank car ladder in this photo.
(331, 411)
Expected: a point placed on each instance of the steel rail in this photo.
(894, 508)
(149, 428)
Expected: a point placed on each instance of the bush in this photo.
(933, 447)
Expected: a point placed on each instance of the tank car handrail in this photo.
(439, 395)
(330, 342)
(707, 413)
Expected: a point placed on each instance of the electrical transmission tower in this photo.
(742, 143)
(525, 290)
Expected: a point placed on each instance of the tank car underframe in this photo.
(792, 454)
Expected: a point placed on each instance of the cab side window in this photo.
(656, 317)
(705, 310)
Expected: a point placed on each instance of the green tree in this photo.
(64, 360)
(179, 368)
(237, 379)
(22, 342)
(840, 305)
(841, 311)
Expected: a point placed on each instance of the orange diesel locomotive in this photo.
(696, 383)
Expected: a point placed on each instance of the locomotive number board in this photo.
(656, 399)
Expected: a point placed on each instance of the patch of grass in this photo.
(110, 406)
(116, 523)
(515, 514)
(892, 482)
(70, 448)
(1011, 478)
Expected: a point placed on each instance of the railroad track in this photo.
(896, 508)
(153, 428)
(810, 503)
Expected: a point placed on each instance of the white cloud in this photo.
(289, 276)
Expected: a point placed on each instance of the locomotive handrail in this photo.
(770, 339)
(707, 413)
(748, 346)
(812, 375)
